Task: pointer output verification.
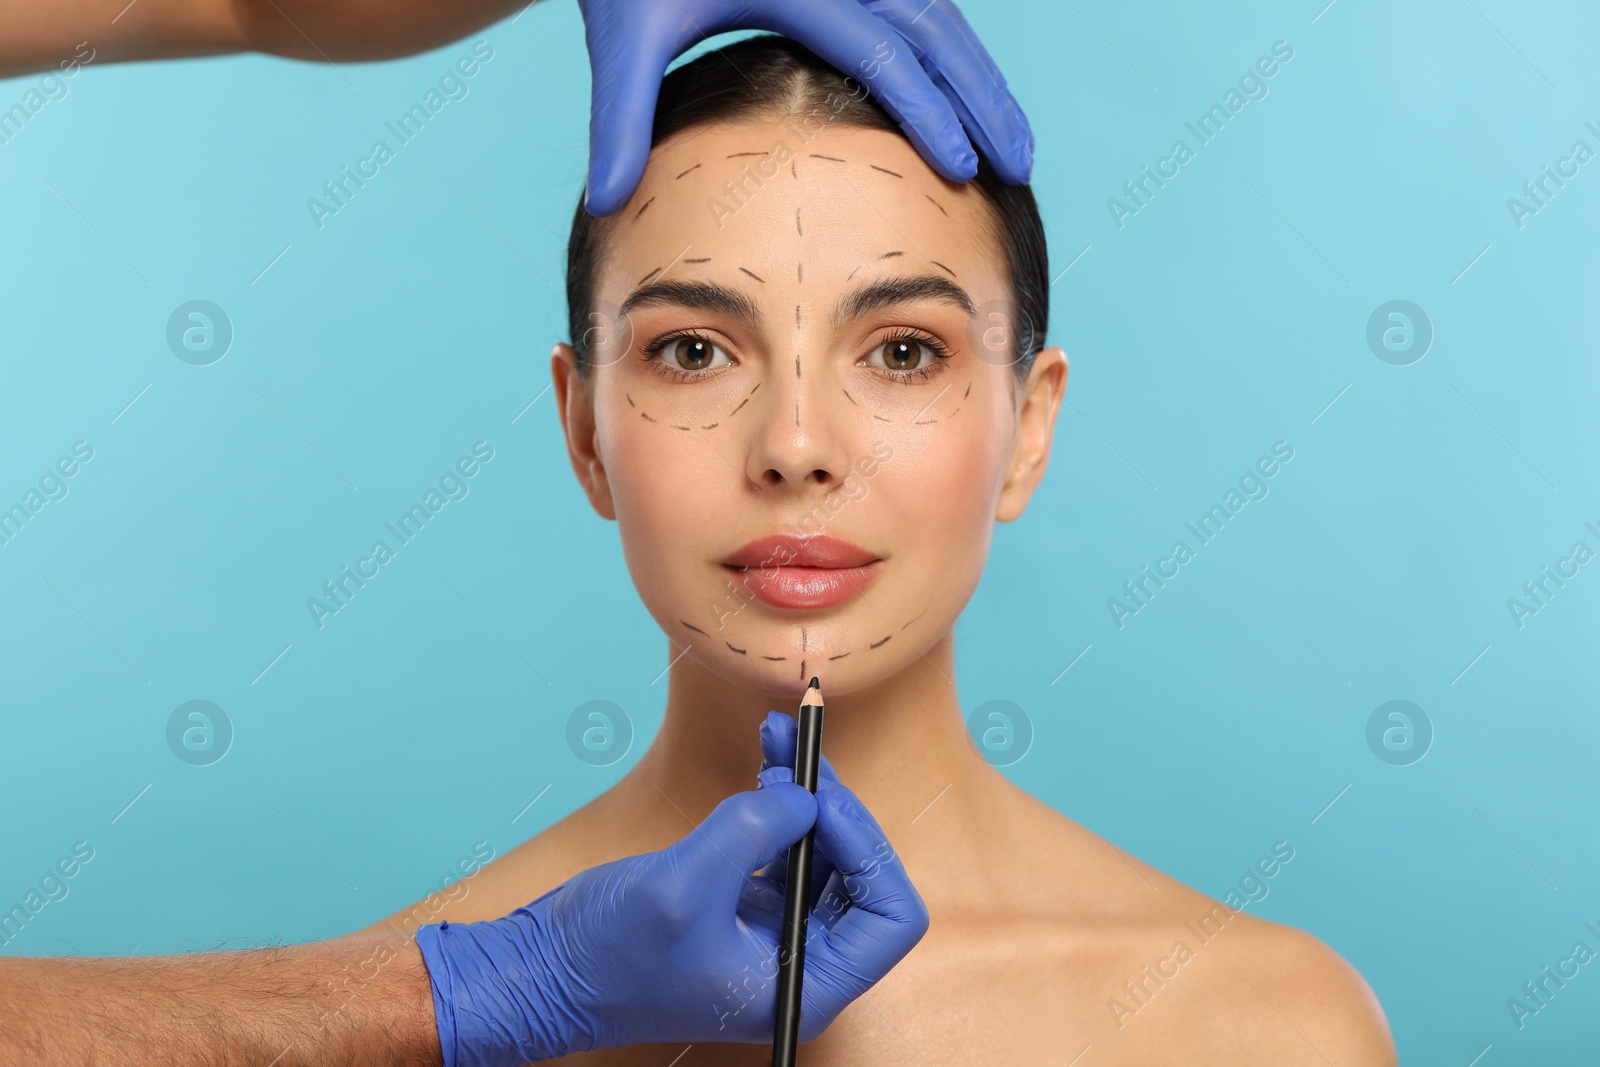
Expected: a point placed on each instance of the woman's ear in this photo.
(1036, 422)
(575, 402)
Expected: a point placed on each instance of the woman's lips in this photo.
(806, 587)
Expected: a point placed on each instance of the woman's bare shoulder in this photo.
(1167, 969)
(523, 874)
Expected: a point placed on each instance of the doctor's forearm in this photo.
(38, 36)
(351, 1001)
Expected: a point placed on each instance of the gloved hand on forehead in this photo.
(679, 945)
(918, 58)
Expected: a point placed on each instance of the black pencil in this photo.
(797, 890)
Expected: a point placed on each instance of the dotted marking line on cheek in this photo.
(682, 173)
(850, 398)
(968, 392)
(741, 155)
(875, 644)
(797, 228)
(775, 659)
(646, 204)
(800, 273)
(741, 651)
(938, 205)
(886, 170)
(830, 159)
(645, 415)
(695, 628)
(631, 404)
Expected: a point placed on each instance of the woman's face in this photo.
(802, 410)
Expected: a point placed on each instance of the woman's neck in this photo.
(901, 746)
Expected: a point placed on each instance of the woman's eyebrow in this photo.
(892, 291)
(701, 296)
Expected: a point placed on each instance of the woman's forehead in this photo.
(762, 202)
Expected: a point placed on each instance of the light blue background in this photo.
(1223, 317)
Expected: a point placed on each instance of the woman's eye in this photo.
(692, 354)
(910, 359)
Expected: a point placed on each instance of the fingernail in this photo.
(965, 160)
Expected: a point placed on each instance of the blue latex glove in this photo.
(679, 945)
(920, 60)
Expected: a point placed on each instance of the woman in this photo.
(806, 377)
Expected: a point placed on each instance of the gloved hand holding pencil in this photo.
(681, 945)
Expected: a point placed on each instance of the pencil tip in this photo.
(814, 683)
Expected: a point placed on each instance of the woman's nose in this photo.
(803, 436)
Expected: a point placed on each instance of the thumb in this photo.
(742, 834)
(627, 61)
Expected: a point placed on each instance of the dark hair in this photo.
(771, 75)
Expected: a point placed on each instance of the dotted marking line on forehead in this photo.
(753, 274)
(652, 274)
(942, 267)
(740, 155)
(646, 204)
(797, 228)
(703, 259)
(830, 159)
(697, 166)
(775, 659)
(938, 205)
(886, 170)
(890, 255)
